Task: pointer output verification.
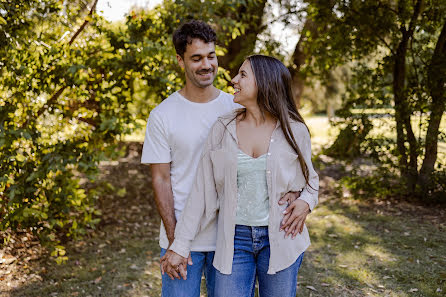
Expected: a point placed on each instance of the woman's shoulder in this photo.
(299, 128)
(228, 117)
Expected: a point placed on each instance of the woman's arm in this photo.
(296, 213)
(311, 191)
(200, 204)
(202, 197)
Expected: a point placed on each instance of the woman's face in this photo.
(245, 85)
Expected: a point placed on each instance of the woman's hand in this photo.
(175, 265)
(294, 215)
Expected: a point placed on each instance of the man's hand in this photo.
(175, 265)
(294, 215)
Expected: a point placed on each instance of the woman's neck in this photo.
(255, 116)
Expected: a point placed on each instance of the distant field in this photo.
(323, 134)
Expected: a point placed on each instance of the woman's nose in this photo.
(234, 80)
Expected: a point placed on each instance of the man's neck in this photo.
(199, 95)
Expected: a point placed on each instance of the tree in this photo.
(402, 45)
(68, 84)
(64, 102)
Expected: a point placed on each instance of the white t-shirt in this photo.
(176, 131)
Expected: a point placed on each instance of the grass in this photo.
(370, 250)
(358, 248)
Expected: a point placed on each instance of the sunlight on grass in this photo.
(378, 253)
(357, 252)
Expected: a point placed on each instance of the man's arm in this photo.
(162, 187)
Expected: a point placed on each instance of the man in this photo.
(175, 134)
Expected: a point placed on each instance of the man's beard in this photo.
(195, 78)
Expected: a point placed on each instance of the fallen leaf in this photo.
(325, 285)
(8, 259)
(98, 280)
(311, 288)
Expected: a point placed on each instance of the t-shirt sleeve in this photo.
(156, 147)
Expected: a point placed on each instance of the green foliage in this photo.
(348, 144)
(397, 58)
(377, 183)
(70, 85)
(63, 102)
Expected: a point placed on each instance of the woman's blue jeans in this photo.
(251, 260)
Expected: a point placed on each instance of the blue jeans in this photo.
(251, 260)
(202, 262)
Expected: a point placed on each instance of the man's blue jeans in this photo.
(251, 259)
(202, 263)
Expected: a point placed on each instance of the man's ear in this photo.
(180, 61)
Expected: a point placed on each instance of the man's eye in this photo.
(211, 57)
(196, 60)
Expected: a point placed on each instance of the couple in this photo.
(232, 176)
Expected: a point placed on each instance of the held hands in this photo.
(175, 265)
(294, 215)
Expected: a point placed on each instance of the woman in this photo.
(252, 158)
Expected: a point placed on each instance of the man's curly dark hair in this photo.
(190, 30)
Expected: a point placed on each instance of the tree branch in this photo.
(86, 21)
(59, 92)
(416, 13)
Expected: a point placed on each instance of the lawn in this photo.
(359, 248)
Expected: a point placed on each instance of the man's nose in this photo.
(206, 64)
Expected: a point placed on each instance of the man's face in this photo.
(200, 63)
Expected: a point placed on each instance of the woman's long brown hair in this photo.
(274, 95)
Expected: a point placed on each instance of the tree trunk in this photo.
(243, 45)
(436, 85)
(407, 163)
(299, 57)
(298, 60)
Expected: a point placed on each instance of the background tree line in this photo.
(72, 84)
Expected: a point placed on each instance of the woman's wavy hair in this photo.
(275, 96)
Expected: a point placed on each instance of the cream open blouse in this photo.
(214, 195)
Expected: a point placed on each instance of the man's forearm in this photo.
(165, 205)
